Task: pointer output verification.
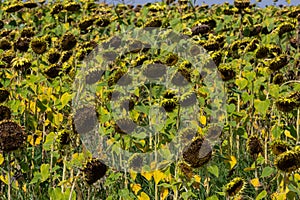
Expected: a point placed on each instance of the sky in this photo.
(261, 4)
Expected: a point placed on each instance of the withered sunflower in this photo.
(169, 104)
(278, 79)
(21, 63)
(235, 187)
(30, 4)
(286, 104)
(102, 22)
(188, 99)
(86, 23)
(94, 170)
(200, 29)
(135, 46)
(38, 45)
(254, 146)
(285, 28)
(7, 57)
(56, 9)
(53, 56)
(154, 71)
(262, 52)
(124, 126)
(14, 7)
(72, 7)
(53, 71)
(93, 76)
(12, 136)
(153, 23)
(85, 119)
(22, 44)
(28, 32)
(5, 113)
(242, 4)
(136, 162)
(198, 152)
(68, 42)
(182, 77)
(288, 161)
(279, 146)
(217, 57)
(227, 72)
(66, 55)
(252, 45)
(110, 56)
(64, 138)
(211, 45)
(186, 170)
(279, 62)
(5, 44)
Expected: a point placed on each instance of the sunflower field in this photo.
(166, 100)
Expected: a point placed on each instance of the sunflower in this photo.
(30, 4)
(110, 56)
(278, 79)
(68, 42)
(169, 104)
(211, 45)
(285, 104)
(285, 28)
(254, 146)
(85, 119)
(22, 44)
(14, 7)
(21, 63)
(227, 72)
(56, 9)
(198, 152)
(278, 63)
(242, 4)
(38, 45)
(200, 29)
(86, 23)
(154, 70)
(94, 170)
(262, 52)
(155, 22)
(252, 45)
(66, 55)
(255, 30)
(12, 136)
(135, 46)
(188, 99)
(288, 161)
(72, 7)
(136, 162)
(235, 187)
(279, 146)
(124, 126)
(53, 56)
(1, 24)
(53, 71)
(93, 76)
(7, 57)
(217, 57)
(64, 138)
(139, 60)
(102, 22)
(186, 170)
(182, 77)
(28, 32)
(5, 113)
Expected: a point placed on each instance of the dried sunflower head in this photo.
(93, 76)
(56, 8)
(288, 161)
(22, 44)
(198, 152)
(94, 170)
(53, 71)
(53, 56)
(278, 79)
(211, 45)
(242, 4)
(14, 7)
(285, 104)
(279, 146)
(262, 52)
(85, 119)
(30, 4)
(64, 138)
(21, 63)
(102, 22)
(254, 146)
(279, 62)
(200, 29)
(65, 56)
(28, 32)
(72, 7)
(285, 28)
(235, 187)
(136, 162)
(227, 72)
(124, 126)
(156, 22)
(5, 113)
(68, 42)
(4, 94)
(12, 136)
(154, 70)
(86, 23)
(38, 45)
(188, 99)
(5, 44)
(169, 104)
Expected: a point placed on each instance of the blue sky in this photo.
(262, 4)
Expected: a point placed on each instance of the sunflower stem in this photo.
(64, 173)
(8, 177)
(297, 125)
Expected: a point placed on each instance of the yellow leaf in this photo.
(132, 174)
(297, 177)
(197, 178)
(232, 161)
(144, 196)
(202, 120)
(24, 188)
(4, 179)
(288, 134)
(147, 175)
(255, 182)
(1, 159)
(158, 176)
(164, 193)
(135, 188)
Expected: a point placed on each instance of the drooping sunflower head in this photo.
(262, 52)
(30, 4)
(235, 187)
(136, 162)
(4, 94)
(154, 70)
(5, 44)
(22, 44)
(278, 79)
(254, 145)
(56, 8)
(285, 104)
(279, 146)
(64, 138)
(288, 161)
(85, 119)
(14, 7)
(93, 75)
(285, 28)
(53, 56)
(124, 126)
(94, 170)
(198, 152)
(227, 72)
(72, 7)
(53, 71)
(278, 62)
(188, 99)
(169, 104)
(22, 63)
(86, 23)
(12, 136)
(5, 113)
(155, 22)
(27, 32)
(68, 42)
(38, 45)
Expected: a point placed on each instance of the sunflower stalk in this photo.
(8, 177)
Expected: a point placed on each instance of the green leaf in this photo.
(49, 141)
(214, 197)
(261, 195)
(241, 83)
(261, 106)
(37, 176)
(267, 171)
(45, 172)
(65, 98)
(214, 170)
